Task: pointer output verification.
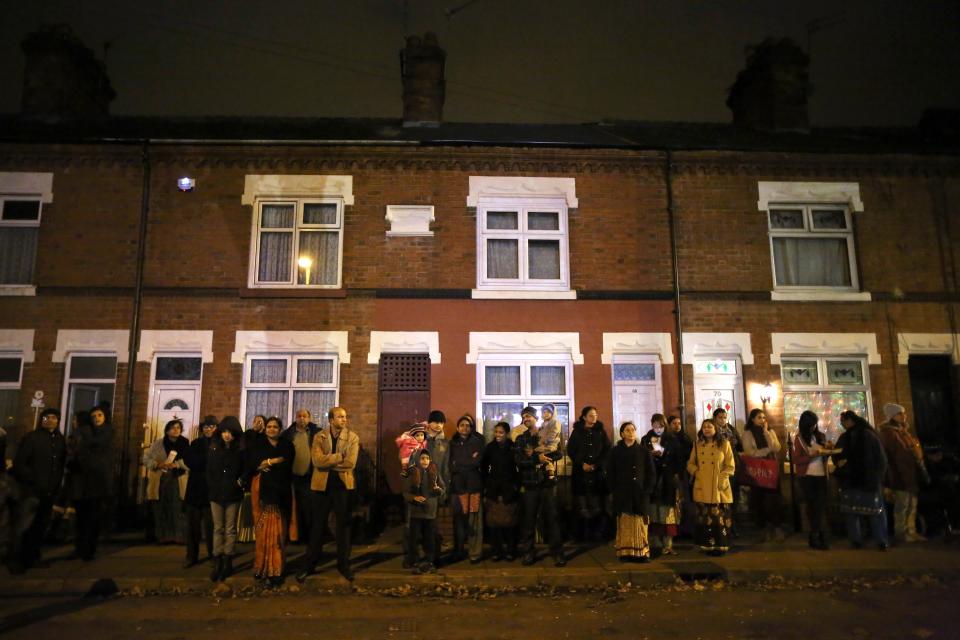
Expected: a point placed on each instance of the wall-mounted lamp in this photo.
(305, 263)
(766, 394)
(186, 184)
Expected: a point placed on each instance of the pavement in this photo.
(126, 564)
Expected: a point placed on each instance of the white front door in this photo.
(174, 402)
(635, 403)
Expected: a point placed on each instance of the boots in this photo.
(226, 568)
(217, 569)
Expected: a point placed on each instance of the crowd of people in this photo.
(274, 486)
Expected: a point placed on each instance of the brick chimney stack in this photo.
(424, 88)
(63, 80)
(771, 93)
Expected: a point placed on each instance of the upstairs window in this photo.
(298, 243)
(812, 247)
(11, 375)
(19, 231)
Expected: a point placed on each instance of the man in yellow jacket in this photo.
(334, 457)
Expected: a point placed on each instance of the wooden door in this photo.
(404, 399)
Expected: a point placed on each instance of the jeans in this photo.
(199, 522)
(878, 527)
(422, 531)
(815, 493)
(339, 501)
(539, 505)
(224, 527)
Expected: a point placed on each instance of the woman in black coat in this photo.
(225, 470)
(588, 448)
(632, 478)
(669, 462)
(861, 467)
(501, 486)
(466, 485)
(92, 468)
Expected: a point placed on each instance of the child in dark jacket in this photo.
(422, 494)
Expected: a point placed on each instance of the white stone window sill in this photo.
(522, 294)
(17, 290)
(821, 296)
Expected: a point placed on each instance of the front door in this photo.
(175, 402)
(637, 392)
(718, 384)
(931, 386)
(404, 400)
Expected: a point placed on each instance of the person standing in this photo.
(246, 518)
(271, 461)
(538, 496)
(861, 467)
(167, 482)
(423, 489)
(466, 486)
(197, 498)
(334, 456)
(729, 433)
(711, 465)
(633, 477)
(501, 485)
(668, 462)
(809, 456)
(225, 468)
(588, 447)
(760, 441)
(301, 434)
(93, 485)
(38, 468)
(904, 471)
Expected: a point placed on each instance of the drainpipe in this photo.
(678, 319)
(134, 345)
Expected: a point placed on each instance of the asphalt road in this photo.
(921, 610)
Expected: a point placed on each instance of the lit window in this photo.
(510, 384)
(297, 243)
(825, 385)
(522, 244)
(281, 384)
(812, 247)
(19, 231)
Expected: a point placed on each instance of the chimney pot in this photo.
(771, 93)
(424, 88)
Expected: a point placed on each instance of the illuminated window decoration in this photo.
(827, 386)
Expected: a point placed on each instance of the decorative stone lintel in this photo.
(501, 342)
(523, 187)
(153, 342)
(716, 344)
(404, 342)
(409, 220)
(297, 186)
(92, 340)
(847, 193)
(825, 344)
(660, 344)
(27, 184)
(18, 340)
(290, 342)
(925, 344)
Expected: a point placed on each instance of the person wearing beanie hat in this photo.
(38, 468)
(538, 498)
(410, 442)
(905, 470)
(225, 468)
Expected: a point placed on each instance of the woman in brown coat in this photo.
(711, 465)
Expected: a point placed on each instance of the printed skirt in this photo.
(632, 541)
(271, 534)
(712, 529)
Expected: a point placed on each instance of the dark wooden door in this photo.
(931, 385)
(404, 399)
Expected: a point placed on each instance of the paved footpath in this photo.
(129, 565)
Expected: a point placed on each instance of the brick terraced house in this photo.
(183, 267)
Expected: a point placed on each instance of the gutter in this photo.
(678, 317)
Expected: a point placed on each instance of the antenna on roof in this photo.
(452, 11)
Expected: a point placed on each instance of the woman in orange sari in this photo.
(271, 460)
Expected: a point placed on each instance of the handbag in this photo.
(861, 503)
(501, 514)
(763, 473)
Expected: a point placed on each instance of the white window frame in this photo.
(523, 206)
(13, 354)
(809, 232)
(290, 384)
(823, 381)
(525, 362)
(298, 226)
(24, 288)
(69, 380)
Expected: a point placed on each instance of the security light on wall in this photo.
(186, 184)
(766, 394)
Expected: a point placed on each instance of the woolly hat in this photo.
(420, 427)
(548, 407)
(891, 409)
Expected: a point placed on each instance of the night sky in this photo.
(873, 62)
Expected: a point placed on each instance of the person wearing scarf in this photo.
(760, 441)
(271, 460)
(632, 478)
(668, 461)
(167, 482)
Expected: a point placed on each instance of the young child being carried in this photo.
(409, 442)
(550, 436)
